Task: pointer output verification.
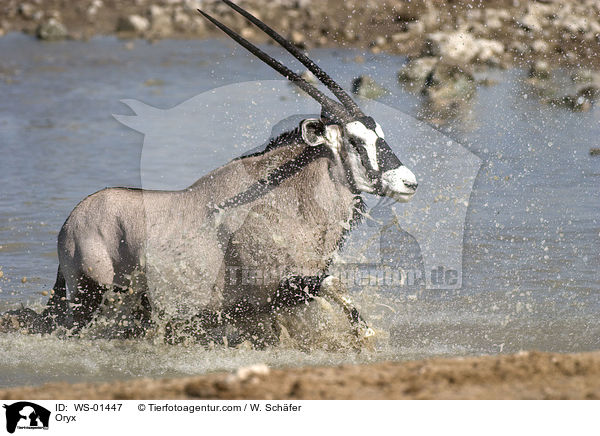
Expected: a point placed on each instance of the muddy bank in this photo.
(526, 375)
(491, 32)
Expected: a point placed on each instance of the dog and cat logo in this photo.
(26, 415)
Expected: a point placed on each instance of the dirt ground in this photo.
(526, 375)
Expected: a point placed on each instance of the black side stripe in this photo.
(274, 179)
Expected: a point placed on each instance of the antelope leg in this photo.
(332, 288)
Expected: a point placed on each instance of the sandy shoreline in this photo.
(526, 375)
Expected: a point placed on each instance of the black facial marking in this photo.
(368, 122)
(385, 157)
(372, 173)
(275, 178)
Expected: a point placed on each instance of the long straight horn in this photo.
(331, 106)
(336, 89)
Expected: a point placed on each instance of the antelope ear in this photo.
(313, 131)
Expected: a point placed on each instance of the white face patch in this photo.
(367, 137)
(399, 183)
(359, 173)
(333, 137)
(379, 130)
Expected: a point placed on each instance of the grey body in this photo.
(293, 229)
(279, 216)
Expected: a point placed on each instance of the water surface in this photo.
(530, 276)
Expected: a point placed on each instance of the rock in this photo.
(297, 38)
(133, 23)
(594, 151)
(463, 47)
(448, 88)
(594, 30)
(539, 46)
(489, 51)
(455, 80)
(350, 34)
(575, 103)
(416, 71)
(52, 30)
(581, 101)
(454, 45)
(156, 11)
(54, 13)
(247, 372)
(248, 32)
(540, 70)
(309, 77)
(161, 24)
(495, 18)
(416, 27)
(586, 76)
(487, 81)
(94, 7)
(401, 37)
(530, 23)
(380, 41)
(182, 20)
(574, 24)
(366, 87)
(581, 96)
(26, 10)
(590, 92)
(518, 47)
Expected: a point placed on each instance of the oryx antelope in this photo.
(284, 210)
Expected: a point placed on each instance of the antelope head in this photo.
(353, 137)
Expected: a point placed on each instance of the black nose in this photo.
(411, 185)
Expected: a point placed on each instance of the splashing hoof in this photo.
(364, 336)
(369, 332)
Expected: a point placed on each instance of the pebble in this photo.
(539, 46)
(51, 30)
(464, 47)
(309, 77)
(416, 71)
(366, 87)
(244, 373)
(26, 10)
(133, 23)
(297, 38)
(540, 69)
